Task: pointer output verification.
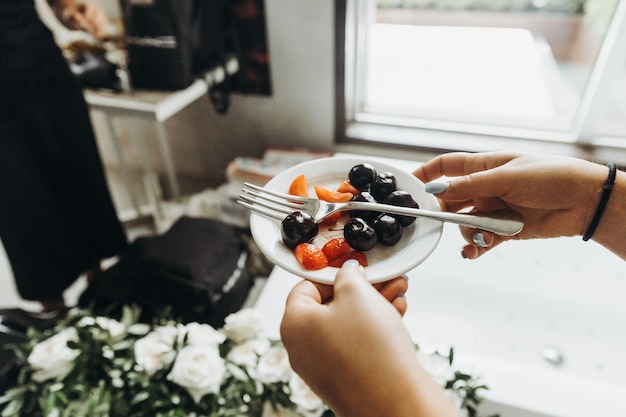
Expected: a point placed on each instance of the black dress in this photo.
(56, 214)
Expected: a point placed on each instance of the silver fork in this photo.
(277, 206)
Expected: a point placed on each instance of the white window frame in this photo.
(359, 126)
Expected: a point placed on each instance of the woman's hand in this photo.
(349, 344)
(557, 196)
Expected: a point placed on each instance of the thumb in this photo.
(351, 275)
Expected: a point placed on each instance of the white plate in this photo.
(417, 243)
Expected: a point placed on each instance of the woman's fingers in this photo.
(472, 175)
(457, 164)
(480, 242)
(400, 304)
(394, 290)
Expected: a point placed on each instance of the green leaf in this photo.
(13, 408)
(140, 397)
(138, 329)
(33, 333)
(63, 397)
(58, 386)
(12, 393)
(462, 376)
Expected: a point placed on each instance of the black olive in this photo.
(402, 199)
(388, 229)
(383, 185)
(366, 215)
(298, 228)
(361, 176)
(359, 235)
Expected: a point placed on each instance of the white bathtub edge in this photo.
(531, 391)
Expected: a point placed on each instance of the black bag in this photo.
(198, 269)
(170, 42)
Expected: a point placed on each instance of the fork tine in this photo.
(267, 204)
(269, 198)
(275, 193)
(262, 211)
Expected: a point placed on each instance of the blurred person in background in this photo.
(57, 218)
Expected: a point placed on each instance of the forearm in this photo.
(419, 395)
(611, 231)
(407, 390)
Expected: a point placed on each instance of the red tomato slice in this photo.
(299, 186)
(346, 187)
(325, 194)
(359, 256)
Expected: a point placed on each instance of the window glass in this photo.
(612, 120)
(481, 65)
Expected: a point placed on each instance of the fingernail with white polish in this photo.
(351, 262)
(479, 239)
(436, 187)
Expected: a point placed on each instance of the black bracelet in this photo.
(606, 193)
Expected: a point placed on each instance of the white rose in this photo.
(203, 334)
(86, 321)
(308, 403)
(114, 327)
(247, 353)
(52, 358)
(437, 366)
(199, 369)
(274, 366)
(155, 351)
(243, 325)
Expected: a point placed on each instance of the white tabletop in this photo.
(159, 103)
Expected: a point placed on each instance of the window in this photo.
(544, 70)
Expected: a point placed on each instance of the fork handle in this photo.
(502, 222)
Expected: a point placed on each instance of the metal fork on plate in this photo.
(277, 206)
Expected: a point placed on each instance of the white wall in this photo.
(300, 112)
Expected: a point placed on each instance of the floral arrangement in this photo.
(99, 366)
